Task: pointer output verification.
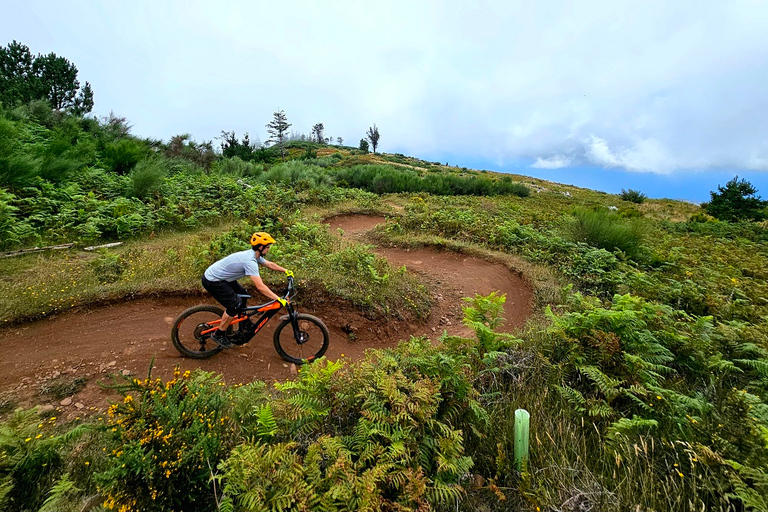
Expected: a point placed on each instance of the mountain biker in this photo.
(220, 280)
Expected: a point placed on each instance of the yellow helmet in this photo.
(260, 239)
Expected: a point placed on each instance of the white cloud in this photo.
(648, 87)
(554, 162)
(647, 155)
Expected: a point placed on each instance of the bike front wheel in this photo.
(309, 343)
(189, 335)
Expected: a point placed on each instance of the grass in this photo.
(62, 387)
(607, 231)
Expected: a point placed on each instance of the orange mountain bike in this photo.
(306, 340)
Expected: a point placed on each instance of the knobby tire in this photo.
(183, 333)
(311, 327)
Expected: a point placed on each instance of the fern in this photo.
(630, 427)
(59, 494)
(266, 425)
(573, 397)
(605, 384)
(761, 367)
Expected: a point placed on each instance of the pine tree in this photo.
(736, 201)
(277, 130)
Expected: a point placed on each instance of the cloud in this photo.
(554, 162)
(656, 89)
(647, 155)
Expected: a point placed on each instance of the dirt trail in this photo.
(123, 338)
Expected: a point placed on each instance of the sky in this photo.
(667, 98)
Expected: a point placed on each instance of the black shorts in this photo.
(226, 292)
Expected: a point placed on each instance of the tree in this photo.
(736, 201)
(277, 129)
(364, 145)
(16, 75)
(84, 101)
(24, 78)
(339, 141)
(57, 80)
(231, 147)
(373, 136)
(317, 133)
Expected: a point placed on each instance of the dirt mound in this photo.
(123, 338)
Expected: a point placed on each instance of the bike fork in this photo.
(293, 315)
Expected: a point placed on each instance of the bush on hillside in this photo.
(633, 196)
(385, 179)
(606, 230)
(147, 177)
(122, 155)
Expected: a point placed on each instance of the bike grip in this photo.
(289, 273)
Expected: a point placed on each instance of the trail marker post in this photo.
(522, 426)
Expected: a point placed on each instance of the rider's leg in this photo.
(225, 321)
(226, 293)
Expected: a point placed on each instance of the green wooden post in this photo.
(522, 422)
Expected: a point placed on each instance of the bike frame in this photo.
(268, 310)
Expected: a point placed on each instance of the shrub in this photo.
(633, 196)
(122, 155)
(32, 458)
(607, 231)
(237, 167)
(13, 231)
(699, 217)
(382, 179)
(147, 177)
(108, 267)
(165, 440)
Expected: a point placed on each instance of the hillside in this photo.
(643, 356)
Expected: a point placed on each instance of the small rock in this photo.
(45, 408)
(79, 405)
(294, 370)
(56, 374)
(66, 401)
(112, 363)
(245, 356)
(285, 365)
(168, 320)
(126, 373)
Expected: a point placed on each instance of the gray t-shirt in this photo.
(235, 266)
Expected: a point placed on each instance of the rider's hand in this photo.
(289, 273)
(283, 302)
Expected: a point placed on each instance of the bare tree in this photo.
(339, 141)
(373, 136)
(277, 129)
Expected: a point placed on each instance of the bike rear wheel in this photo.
(187, 330)
(313, 339)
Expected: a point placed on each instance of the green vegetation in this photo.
(736, 202)
(633, 196)
(645, 368)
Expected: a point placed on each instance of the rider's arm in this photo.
(273, 266)
(263, 288)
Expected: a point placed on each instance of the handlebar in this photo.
(291, 290)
